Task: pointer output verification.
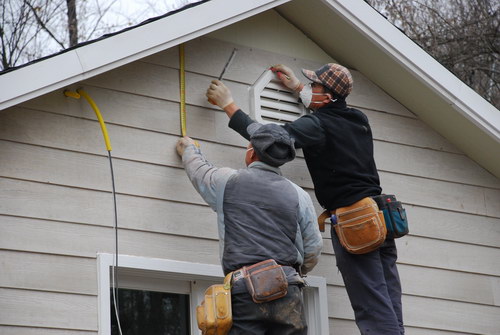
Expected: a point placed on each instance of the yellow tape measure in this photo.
(182, 80)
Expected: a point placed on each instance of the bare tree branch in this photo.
(100, 16)
(42, 24)
(463, 35)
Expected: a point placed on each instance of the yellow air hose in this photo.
(81, 93)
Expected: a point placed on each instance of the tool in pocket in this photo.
(395, 217)
(214, 315)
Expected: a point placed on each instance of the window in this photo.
(178, 287)
(150, 312)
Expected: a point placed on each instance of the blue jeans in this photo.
(284, 316)
(374, 289)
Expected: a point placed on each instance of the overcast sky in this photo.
(95, 19)
(99, 17)
(154, 7)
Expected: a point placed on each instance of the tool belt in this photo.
(395, 217)
(214, 315)
(265, 281)
(360, 227)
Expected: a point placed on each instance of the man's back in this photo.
(261, 218)
(343, 167)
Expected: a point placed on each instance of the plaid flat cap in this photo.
(335, 77)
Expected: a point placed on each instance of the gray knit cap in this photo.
(272, 143)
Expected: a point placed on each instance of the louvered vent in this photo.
(272, 102)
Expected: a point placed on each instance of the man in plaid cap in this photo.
(338, 148)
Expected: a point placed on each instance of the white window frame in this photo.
(165, 275)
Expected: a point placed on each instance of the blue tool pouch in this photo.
(395, 217)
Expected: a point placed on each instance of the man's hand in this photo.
(219, 94)
(184, 142)
(287, 77)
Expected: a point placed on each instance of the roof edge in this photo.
(424, 67)
(106, 54)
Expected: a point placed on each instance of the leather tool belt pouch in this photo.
(265, 281)
(360, 227)
(395, 217)
(321, 219)
(214, 315)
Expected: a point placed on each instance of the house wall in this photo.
(56, 207)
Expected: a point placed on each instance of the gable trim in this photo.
(423, 66)
(109, 53)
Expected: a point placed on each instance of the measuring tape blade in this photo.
(182, 79)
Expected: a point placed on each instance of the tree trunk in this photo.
(72, 23)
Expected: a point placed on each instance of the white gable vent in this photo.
(272, 102)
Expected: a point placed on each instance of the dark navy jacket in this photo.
(338, 148)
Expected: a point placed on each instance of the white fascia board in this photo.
(98, 57)
(37, 76)
(424, 67)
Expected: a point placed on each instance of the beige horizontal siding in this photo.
(207, 122)
(348, 327)
(46, 272)
(154, 147)
(48, 309)
(13, 330)
(28, 238)
(68, 239)
(429, 313)
(208, 56)
(447, 195)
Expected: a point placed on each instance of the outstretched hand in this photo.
(287, 77)
(218, 94)
(183, 143)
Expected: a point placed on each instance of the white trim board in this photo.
(315, 294)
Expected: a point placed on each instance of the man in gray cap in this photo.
(261, 216)
(338, 148)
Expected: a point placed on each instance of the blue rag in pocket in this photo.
(395, 220)
(395, 217)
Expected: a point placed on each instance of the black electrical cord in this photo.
(115, 262)
(114, 281)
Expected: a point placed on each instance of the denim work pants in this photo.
(373, 286)
(284, 316)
